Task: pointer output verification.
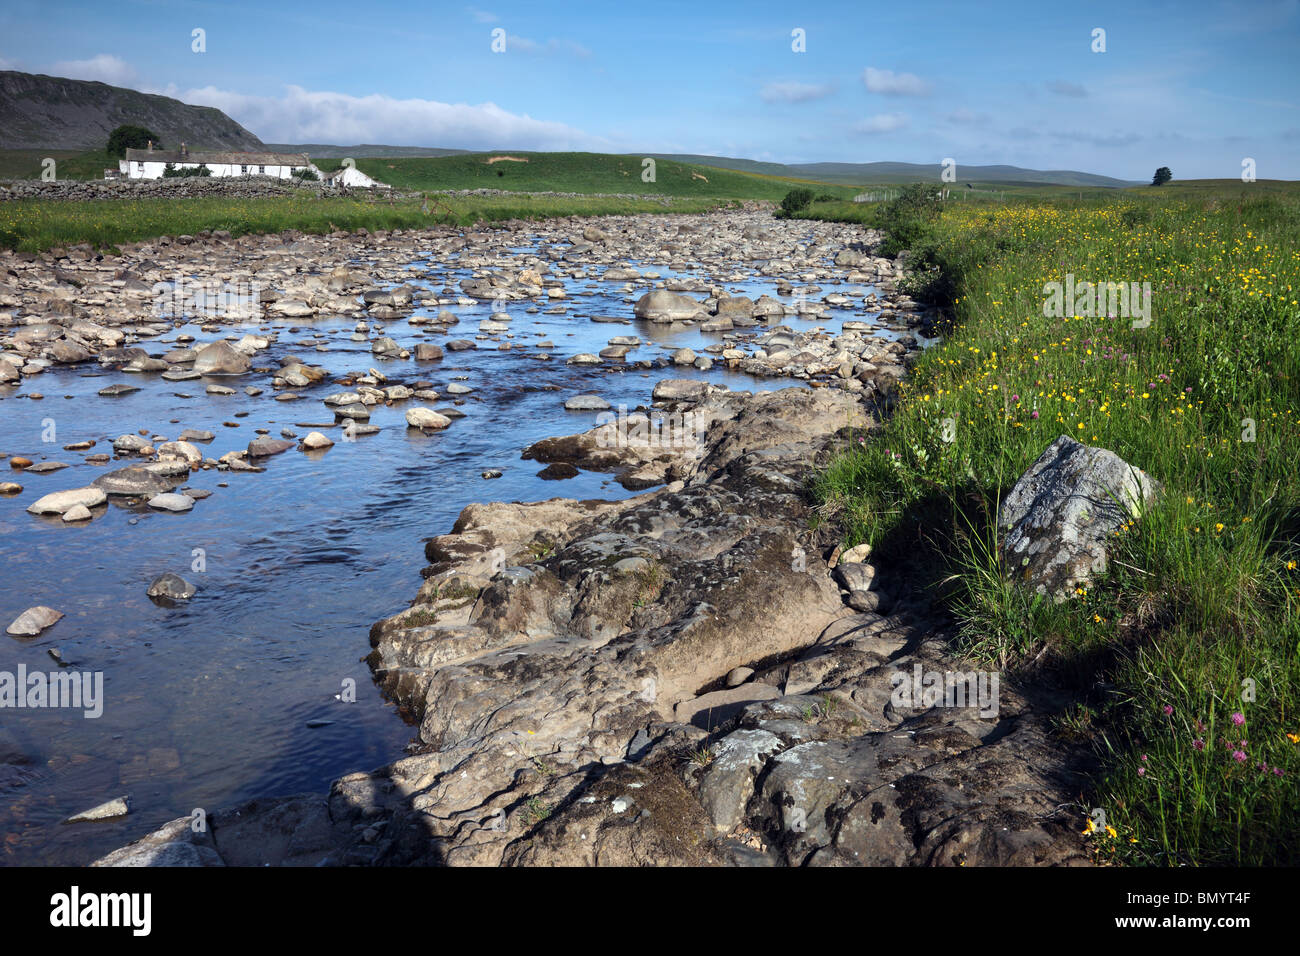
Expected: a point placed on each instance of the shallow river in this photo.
(232, 695)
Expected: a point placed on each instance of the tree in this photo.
(1162, 176)
(128, 137)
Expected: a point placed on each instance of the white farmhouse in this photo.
(150, 163)
(351, 177)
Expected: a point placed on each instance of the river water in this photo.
(232, 695)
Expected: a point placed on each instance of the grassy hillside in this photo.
(576, 172)
(1182, 661)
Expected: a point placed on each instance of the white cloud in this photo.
(105, 68)
(889, 83)
(966, 117)
(482, 16)
(312, 116)
(882, 123)
(794, 92)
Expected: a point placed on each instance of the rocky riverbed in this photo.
(564, 658)
(682, 677)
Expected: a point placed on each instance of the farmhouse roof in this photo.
(236, 159)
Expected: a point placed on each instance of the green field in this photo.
(1183, 661)
(33, 225)
(69, 164)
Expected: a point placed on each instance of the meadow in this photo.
(1180, 665)
(35, 225)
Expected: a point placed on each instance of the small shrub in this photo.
(795, 200)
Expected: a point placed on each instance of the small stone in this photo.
(738, 675)
(315, 440)
(105, 811)
(171, 502)
(34, 620)
(77, 513)
(586, 403)
(426, 418)
(172, 587)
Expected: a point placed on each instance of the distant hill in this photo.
(51, 112)
(901, 172)
(840, 173)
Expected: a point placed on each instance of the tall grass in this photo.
(1196, 619)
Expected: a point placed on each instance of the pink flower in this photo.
(1168, 710)
(1198, 744)
(1142, 771)
(1238, 718)
(1144, 758)
(1239, 756)
(1034, 413)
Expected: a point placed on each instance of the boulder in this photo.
(59, 502)
(34, 620)
(426, 418)
(1059, 517)
(133, 481)
(221, 358)
(663, 306)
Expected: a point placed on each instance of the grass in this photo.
(1193, 635)
(578, 173)
(35, 225)
(68, 164)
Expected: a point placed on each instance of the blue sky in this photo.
(1196, 86)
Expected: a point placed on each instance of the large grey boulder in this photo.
(1060, 515)
(133, 480)
(221, 358)
(662, 306)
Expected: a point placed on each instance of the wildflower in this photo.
(1198, 744)
(1294, 738)
(1110, 831)
(1089, 827)
(1034, 413)
(1239, 756)
(1142, 771)
(1238, 719)
(1168, 710)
